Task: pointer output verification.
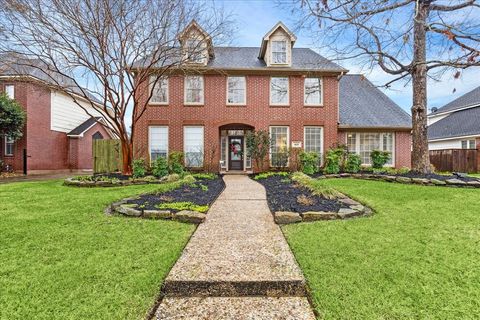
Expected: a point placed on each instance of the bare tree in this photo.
(413, 40)
(87, 48)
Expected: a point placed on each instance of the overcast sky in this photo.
(254, 18)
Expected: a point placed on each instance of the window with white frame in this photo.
(9, 143)
(313, 137)
(159, 89)
(194, 90)
(236, 90)
(279, 136)
(363, 143)
(223, 152)
(193, 146)
(10, 91)
(468, 144)
(279, 91)
(313, 92)
(194, 50)
(158, 142)
(279, 52)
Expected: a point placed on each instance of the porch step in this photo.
(244, 308)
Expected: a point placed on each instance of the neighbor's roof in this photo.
(19, 66)
(81, 129)
(471, 98)
(247, 58)
(461, 123)
(362, 105)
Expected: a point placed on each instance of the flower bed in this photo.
(295, 198)
(411, 177)
(115, 180)
(189, 202)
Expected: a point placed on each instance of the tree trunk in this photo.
(127, 156)
(420, 155)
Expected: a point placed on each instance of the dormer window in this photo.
(194, 50)
(196, 44)
(279, 52)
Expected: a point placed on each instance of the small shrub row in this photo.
(179, 206)
(160, 167)
(265, 175)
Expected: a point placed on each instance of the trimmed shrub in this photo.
(175, 162)
(353, 163)
(332, 162)
(160, 167)
(379, 158)
(139, 168)
(309, 162)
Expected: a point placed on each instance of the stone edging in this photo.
(406, 180)
(133, 210)
(355, 209)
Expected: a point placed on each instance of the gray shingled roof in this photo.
(364, 105)
(468, 99)
(84, 126)
(247, 58)
(461, 123)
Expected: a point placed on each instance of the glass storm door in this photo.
(235, 152)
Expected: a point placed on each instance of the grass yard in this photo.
(418, 257)
(62, 258)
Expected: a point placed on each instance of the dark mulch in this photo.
(186, 193)
(412, 174)
(284, 195)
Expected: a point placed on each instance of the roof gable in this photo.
(457, 124)
(469, 99)
(266, 37)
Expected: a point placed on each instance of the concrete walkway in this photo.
(237, 264)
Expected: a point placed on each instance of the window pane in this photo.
(313, 91)
(159, 90)
(279, 90)
(472, 144)
(193, 146)
(464, 144)
(363, 143)
(313, 140)
(236, 89)
(223, 151)
(158, 140)
(279, 144)
(10, 91)
(279, 51)
(194, 48)
(194, 89)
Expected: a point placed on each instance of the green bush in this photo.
(160, 167)
(379, 158)
(175, 162)
(179, 206)
(265, 175)
(139, 168)
(205, 176)
(353, 163)
(332, 161)
(309, 162)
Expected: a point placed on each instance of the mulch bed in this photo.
(286, 195)
(113, 175)
(187, 193)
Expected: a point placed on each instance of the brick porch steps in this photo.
(237, 254)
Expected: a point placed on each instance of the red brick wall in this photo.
(256, 113)
(403, 149)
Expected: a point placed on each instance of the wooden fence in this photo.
(107, 156)
(455, 160)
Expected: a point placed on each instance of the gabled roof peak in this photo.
(266, 37)
(193, 24)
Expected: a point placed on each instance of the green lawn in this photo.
(418, 257)
(62, 258)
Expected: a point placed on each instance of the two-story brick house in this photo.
(301, 98)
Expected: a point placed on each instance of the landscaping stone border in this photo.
(355, 209)
(133, 210)
(405, 180)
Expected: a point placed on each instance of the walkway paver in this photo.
(237, 264)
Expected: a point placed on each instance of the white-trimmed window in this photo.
(279, 52)
(194, 90)
(157, 142)
(363, 143)
(193, 146)
(159, 90)
(313, 137)
(468, 144)
(280, 137)
(279, 91)
(9, 144)
(10, 91)
(313, 95)
(236, 90)
(194, 50)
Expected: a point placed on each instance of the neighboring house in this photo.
(456, 125)
(302, 99)
(58, 133)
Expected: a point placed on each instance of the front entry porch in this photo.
(233, 149)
